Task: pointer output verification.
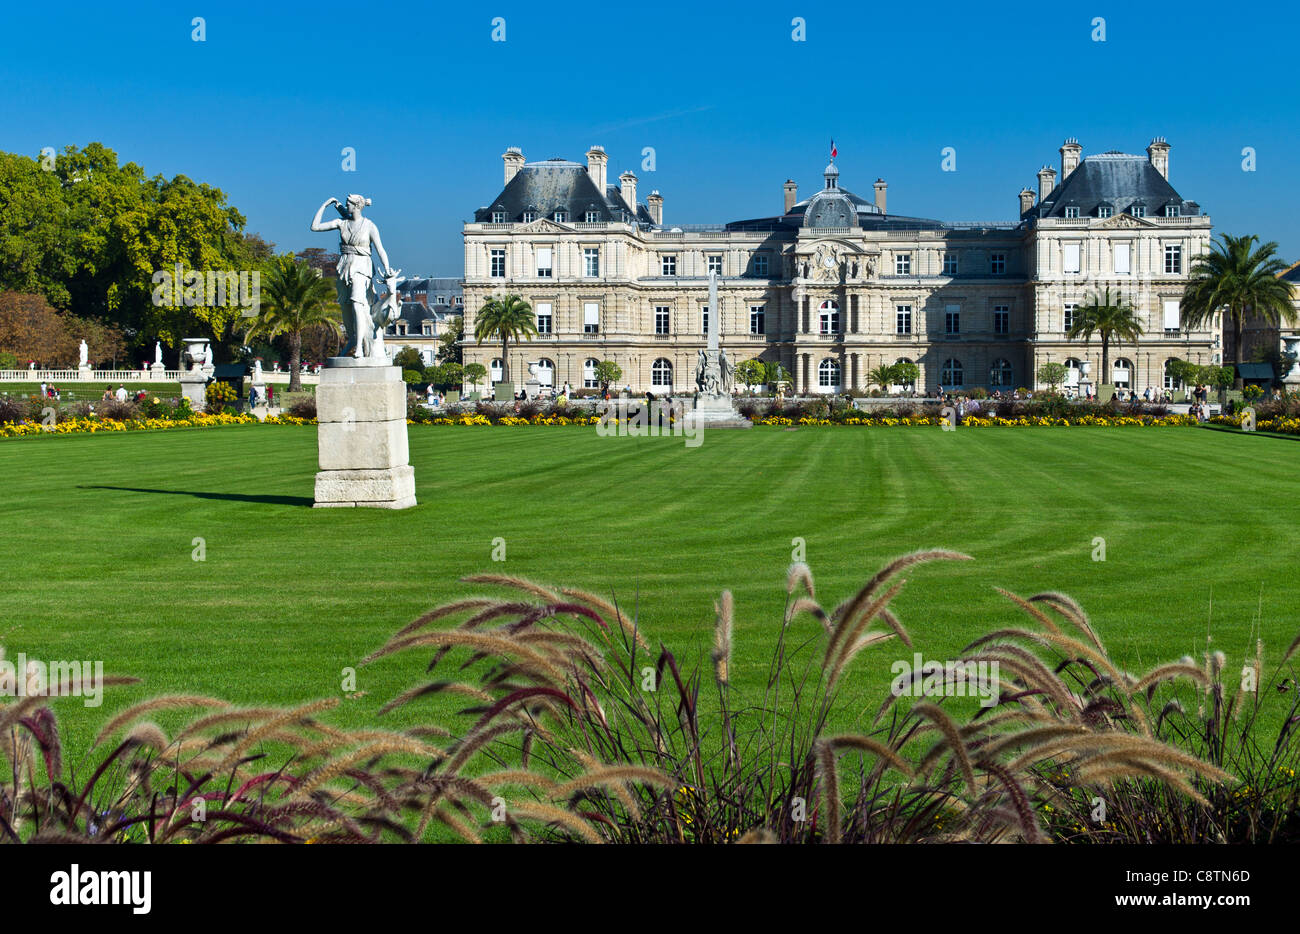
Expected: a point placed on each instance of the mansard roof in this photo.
(559, 185)
(1115, 179)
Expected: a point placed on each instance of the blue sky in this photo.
(731, 105)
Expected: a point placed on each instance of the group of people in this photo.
(49, 391)
(254, 398)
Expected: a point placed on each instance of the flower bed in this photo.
(975, 421)
(1282, 424)
(73, 426)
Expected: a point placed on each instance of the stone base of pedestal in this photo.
(194, 386)
(84, 372)
(361, 436)
(717, 412)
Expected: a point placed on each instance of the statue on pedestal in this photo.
(365, 315)
(83, 355)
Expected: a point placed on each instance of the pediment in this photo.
(1123, 222)
(544, 225)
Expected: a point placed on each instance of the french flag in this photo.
(834, 152)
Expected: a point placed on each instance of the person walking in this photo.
(121, 392)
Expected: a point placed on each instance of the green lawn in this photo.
(97, 551)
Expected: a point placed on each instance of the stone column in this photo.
(361, 436)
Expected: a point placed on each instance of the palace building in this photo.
(835, 284)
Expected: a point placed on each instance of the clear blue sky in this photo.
(731, 105)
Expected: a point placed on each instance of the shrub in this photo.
(117, 411)
(12, 410)
(303, 408)
(219, 395)
(412, 376)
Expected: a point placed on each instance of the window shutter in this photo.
(591, 313)
(1171, 314)
(1122, 258)
(544, 257)
(1071, 257)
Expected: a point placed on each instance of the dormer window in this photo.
(591, 217)
(530, 216)
(1137, 209)
(1171, 210)
(1071, 211)
(561, 217)
(498, 217)
(1105, 210)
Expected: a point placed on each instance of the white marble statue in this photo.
(257, 372)
(358, 236)
(157, 353)
(83, 355)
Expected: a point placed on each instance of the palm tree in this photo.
(883, 376)
(503, 318)
(1241, 280)
(294, 298)
(1111, 317)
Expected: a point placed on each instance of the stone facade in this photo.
(835, 286)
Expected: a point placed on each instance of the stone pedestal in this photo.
(715, 411)
(194, 384)
(157, 372)
(84, 372)
(361, 436)
(533, 388)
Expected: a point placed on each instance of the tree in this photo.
(408, 358)
(502, 319)
(883, 376)
(1182, 372)
(294, 298)
(906, 373)
(31, 329)
(1053, 374)
(607, 371)
(751, 373)
(1110, 317)
(475, 373)
(1242, 281)
(449, 350)
(775, 372)
(446, 375)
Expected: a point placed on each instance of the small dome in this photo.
(831, 170)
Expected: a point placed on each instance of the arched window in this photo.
(1073, 367)
(495, 370)
(589, 380)
(545, 372)
(951, 375)
(828, 374)
(908, 386)
(1123, 375)
(1170, 383)
(828, 318)
(661, 373)
(1000, 373)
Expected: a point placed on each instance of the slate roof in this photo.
(1117, 179)
(558, 184)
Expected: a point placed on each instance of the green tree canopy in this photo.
(1241, 280)
(1053, 374)
(475, 373)
(607, 371)
(1110, 317)
(449, 349)
(506, 318)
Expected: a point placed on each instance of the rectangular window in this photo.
(1138, 210)
(1071, 211)
(903, 264)
(591, 262)
(591, 318)
(760, 265)
(1170, 313)
(1105, 210)
(1171, 210)
(998, 263)
(1173, 259)
(952, 319)
(1122, 264)
(498, 217)
(1001, 319)
(950, 264)
(426, 327)
(829, 322)
(756, 322)
(668, 265)
(662, 319)
(1071, 262)
(591, 217)
(530, 216)
(1071, 313)
(704, 319)
(544, 318)
(902, 319)
(715, 264)
(562, 217)
(544, 262)
(498, 269)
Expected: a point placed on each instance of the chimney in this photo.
(1046, 182)
(1158, 153)
(596, 160)
(1070, 152)
(1026, 199)
(655, 205)
(791, 194)
(514, 160)
(627, 185)
(880, 187)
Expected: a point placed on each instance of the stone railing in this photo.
(126, 376)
